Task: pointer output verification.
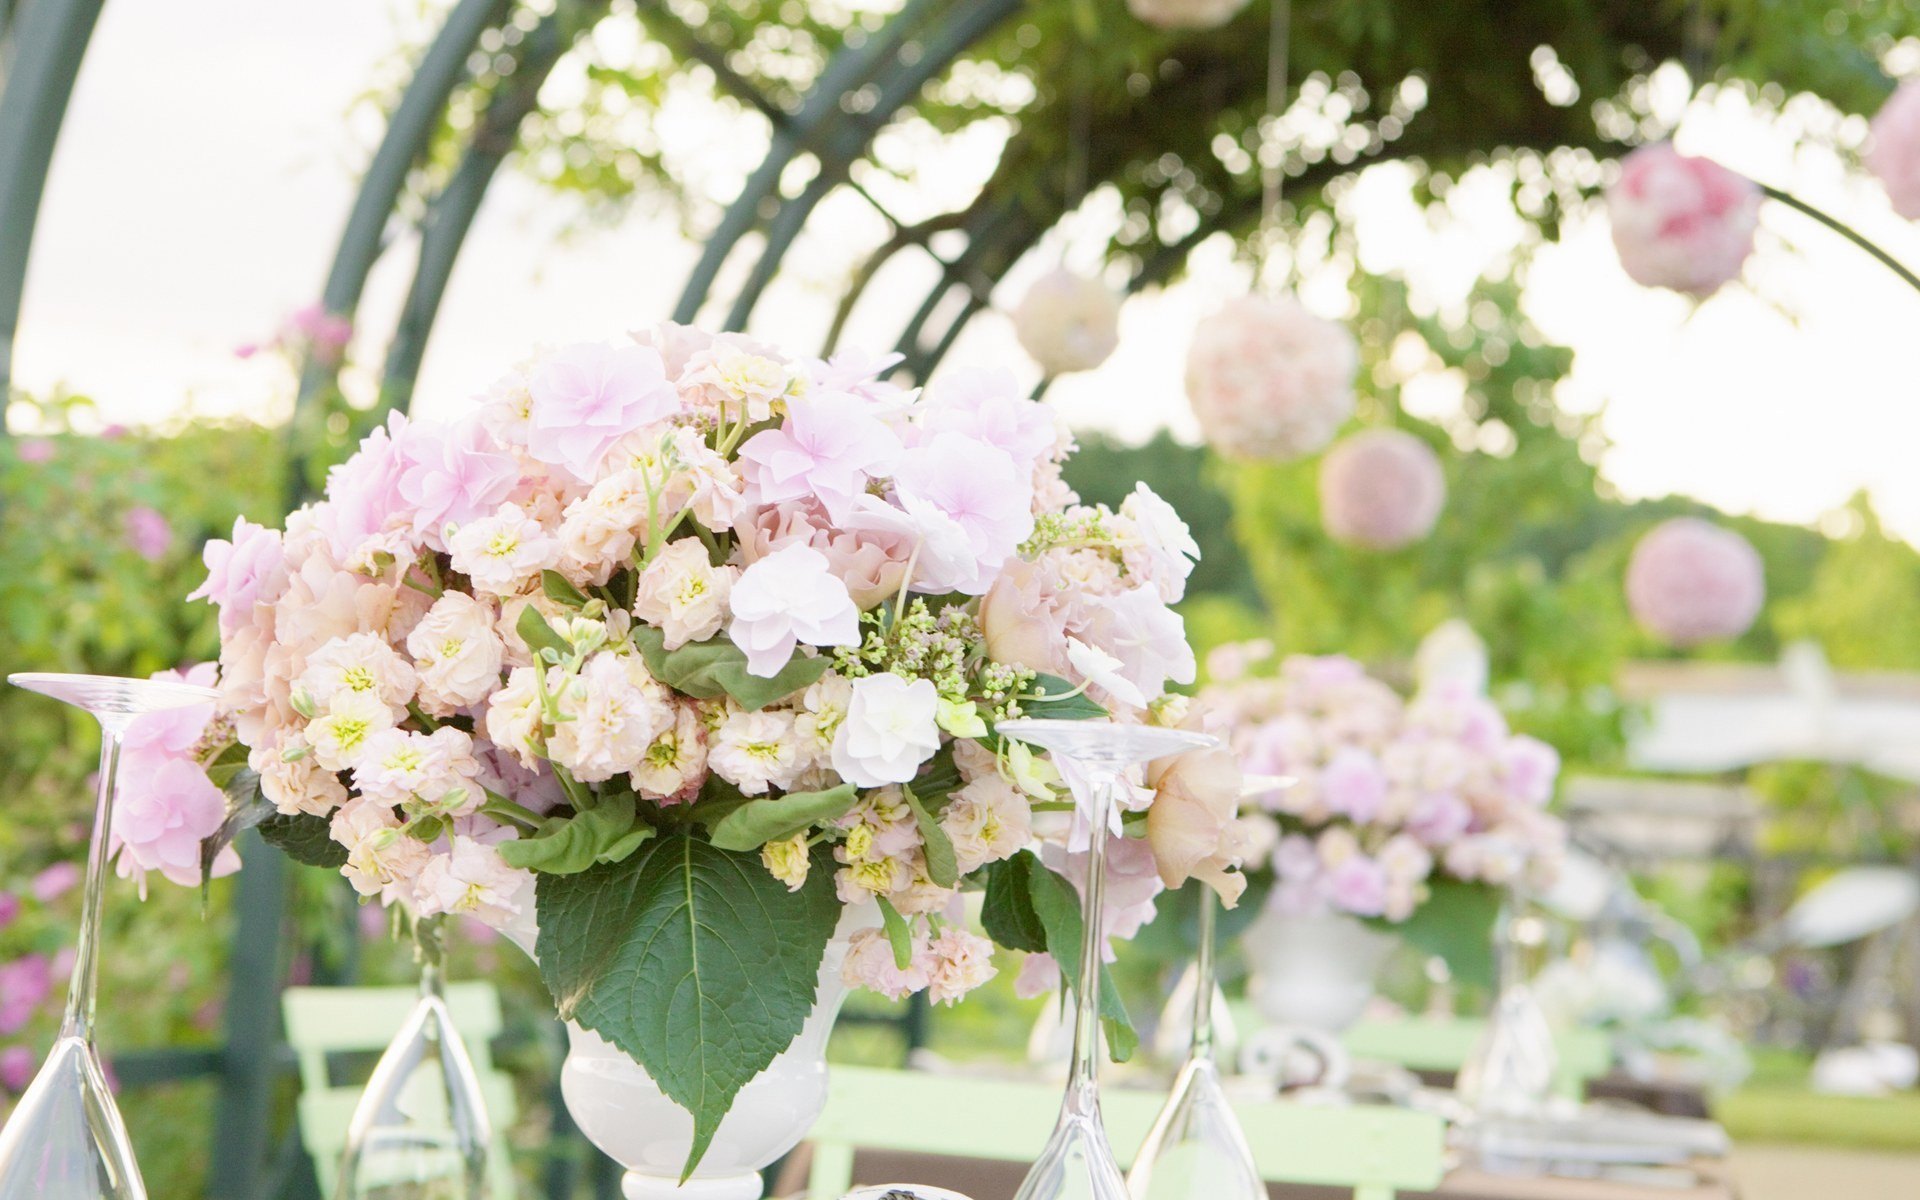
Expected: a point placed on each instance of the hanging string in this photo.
(1272, 152)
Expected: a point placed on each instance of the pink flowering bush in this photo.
(1681, 222)
(1068, 322)
(1269, 380)
(1690, 581)
(685, 634)
(1893, 149)
(1381, 489)
(1394, 797)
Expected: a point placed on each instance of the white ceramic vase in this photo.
(621, 1110)
(1314, 972)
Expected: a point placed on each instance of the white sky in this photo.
(206, 169)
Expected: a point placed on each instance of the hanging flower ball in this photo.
(1068, 322)
(1681, 222)
(1691, 581)
(1381, 489)
(1269, 380)
(1893, 149)
(1186, 14)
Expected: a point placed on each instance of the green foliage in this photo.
(754, 823)
(1454, 924)
(1055, 699)
(714, 668)
(693, 960)
(568, 845)
(1030, 907)
(1859, 604)
(303, 837)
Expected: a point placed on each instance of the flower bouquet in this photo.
(686, 648)
(1411, 815)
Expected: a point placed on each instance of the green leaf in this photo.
(691, 959)
(716, 667)
(1069, 707)
(246, 807)
(227, 764)
(938, 779)
(943, 865)
(304, 838)
(756, 822)
(1007, 908)
(1456, 924)
(898, 935)
(1057, 905)
(561, 591)
(569, 845)
(538, 635)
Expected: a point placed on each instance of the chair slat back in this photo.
(324, 1022)
(1374, 1151)
(1445, 1044)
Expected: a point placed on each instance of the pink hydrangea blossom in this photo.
(589, 396)
(25, 984)
(975, 486)
(160, 818)
(246, 570)
(1893, 149)
(363, 493)
(1381, 489)
(827, 449)
(1269, 380)
(148, 532)
(1681, 222)
(1691, 581)
(989, 406)
(54, 881)
(788, 598)
(1352, 784)
(1358, 885)
(450, 476)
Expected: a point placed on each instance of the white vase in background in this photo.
(622, 1111)
(1317, 971)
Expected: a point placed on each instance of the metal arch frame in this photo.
(44, 44)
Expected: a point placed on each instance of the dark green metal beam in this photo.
(48, 40)
(243, 1119)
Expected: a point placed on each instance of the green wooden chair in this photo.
(323, 1022)
(1374, 1151)
(1444, 1044)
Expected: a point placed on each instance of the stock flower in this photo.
(733, 381)
(787, 598)
(452, 476)
(1893, 149)
(890, 728)
(1068, 322)
(827, 449)
(1681, 222)
(471, 878)
(162, 813)
(974, 486)
(786, 859)
(676, 763)
(1269, 380)
(500, 553)
(870, 964)
(1529, 766)
(362, 664)
(456, 653)
(1352, 785)
(1359, 885)
(339, 735)
(248, 569)
(514, 719)
(298, 785)
(683, 593)
(614, 711)
(957, 963)
(586, 397)
(1381, 489)
(989, 406)
(600, 530)
(1690, 581)
(755, 751)
(987, 821)
(381, 860)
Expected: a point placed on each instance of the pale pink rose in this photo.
(1893, 149)
(1269, 380)
(587, 397)
(162, 813)
(1691, 581)
(1068, 322)
(870, 964)
(1022, 620)
(975, 487)
(451, 476)
(788, 598)
(1186, 14)
(148, 533)
(827, 449)
(1381, 489)
(871, 564)
(1191, 825)
(1681, 222)
(247, 570)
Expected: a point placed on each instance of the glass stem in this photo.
(1083, 1096)
(1202, 1048)
(429, 947)
(78, 1021)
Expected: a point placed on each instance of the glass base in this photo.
(65, 1139)
(1196, 1150)
(1078, 1164)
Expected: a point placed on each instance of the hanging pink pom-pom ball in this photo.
(1680, 222)
(1269, 380)
(1893, 149)
(1381, 489)
(1186, 14)
(1068, 322)
(1691, 581)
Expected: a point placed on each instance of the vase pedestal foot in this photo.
(635, 1186)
